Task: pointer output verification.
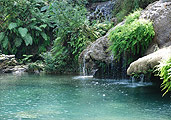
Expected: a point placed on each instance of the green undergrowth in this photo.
(164, 72)
(132, 38)
(73, 34)
(23, 27)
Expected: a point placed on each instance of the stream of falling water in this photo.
(103, 11)
(84, 66)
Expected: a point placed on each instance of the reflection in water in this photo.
(44, 97)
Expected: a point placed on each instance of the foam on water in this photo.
(82, 77)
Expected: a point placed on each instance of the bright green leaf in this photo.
(44, 36)
(43, 26)
(44, 8)
(22, 31)
(28, 39)
(2, 35)
(37, 28)
(33, 19)
(12, 25)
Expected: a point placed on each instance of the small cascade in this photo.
(112, 59)
(103, 11)
(84, 66)
(142, 78)
(132, 79)
(112, 65)
(84, 70)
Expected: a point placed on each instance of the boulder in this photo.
(160, 13)
(148, 62)
(97, 52)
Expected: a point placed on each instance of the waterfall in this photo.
(141, 78)
(84, 66)
(132, 79)
(112, 59)
(103, 11)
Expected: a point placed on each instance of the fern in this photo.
(132, 38)
(164, 72)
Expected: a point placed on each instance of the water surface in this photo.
(49, 97)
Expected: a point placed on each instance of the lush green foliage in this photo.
(50, 62)
(101, 28)
(35, 67)
(25, 59)
(22, 26)
(132, 38)
(72, 32)
(164, 71)
(124, 7)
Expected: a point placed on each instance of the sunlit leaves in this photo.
(28, 40)
(164, 71)
(44, 36)
(12, 25)
(22, 31)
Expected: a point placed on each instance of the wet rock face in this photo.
(97, 51)
(98, 60)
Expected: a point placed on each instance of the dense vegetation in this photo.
(132, 38)
(23, 28)
(61, 27)
(31, 26)
(73, 34)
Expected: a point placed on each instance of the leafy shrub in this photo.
(164, 71)
(72, 32)
(101, 28)
(132, 38)
(35, 67)
(49, 61)
(22, 27)
(25, 59)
